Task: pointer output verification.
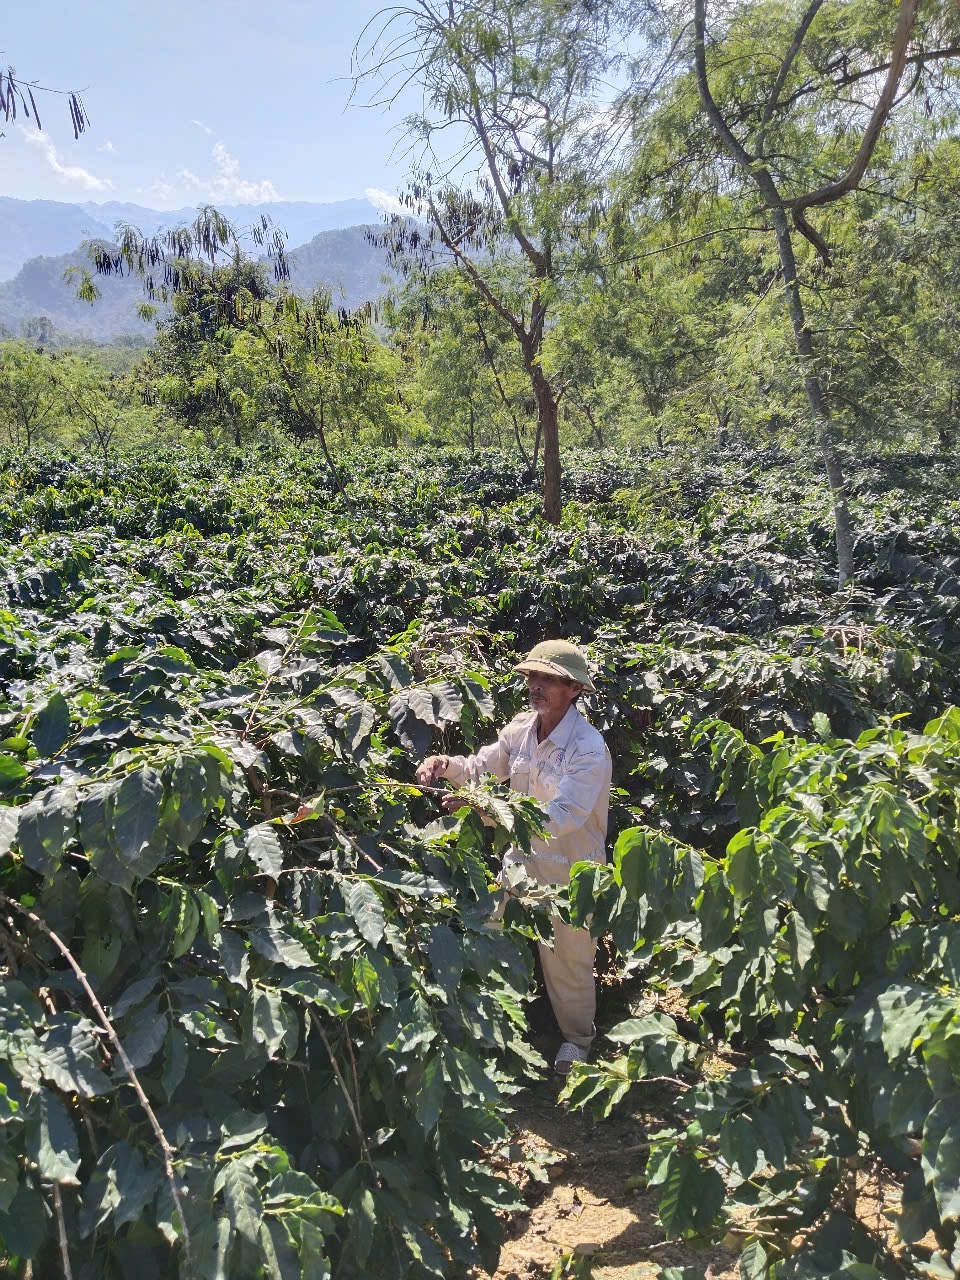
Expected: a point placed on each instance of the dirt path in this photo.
(593, 1200)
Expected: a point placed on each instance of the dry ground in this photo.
(593, 1199)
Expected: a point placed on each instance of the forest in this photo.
(668, 366)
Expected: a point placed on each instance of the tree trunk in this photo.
(473, 430)
(947, 430)
(548, 428)
(816, 398)
(594, 426)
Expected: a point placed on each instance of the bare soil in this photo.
(593, 1202)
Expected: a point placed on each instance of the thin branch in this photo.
(469, 267)
(61, 1233)
(858, 166)
(733, 144)
(784, 70)
(128, 1066)
(349, 840)
(488, 351)
(344, 1089)
(527, 247)
(679, 244)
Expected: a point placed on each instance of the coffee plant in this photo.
(254, 1023)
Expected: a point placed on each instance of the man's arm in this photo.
(580, 787)
(493, 758)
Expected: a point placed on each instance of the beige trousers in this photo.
(567, 965)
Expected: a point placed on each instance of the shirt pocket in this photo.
(520, 774)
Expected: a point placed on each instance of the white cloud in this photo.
(227, 186)
(385, 201)
(205, 127)
(68, 172)
(106, 146)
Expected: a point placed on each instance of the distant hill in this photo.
(345, 263)
(31, 228)
(46, 228)
(342, 261)
(39, 289)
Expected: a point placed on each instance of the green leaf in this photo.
(95, 837)
(446, 956)
(691, 1193)
(51, 729)
(262, 846)
(174, 1061)
(241, 1196)
(278, 1251)
(185, 914)
(450, 701)
(278, 944)
(800, 940)
(366, 983)
(100, 953)
(428, 1094)
(394, 669)
(12, 773)
(52, 1140)
(145, 1035)
(24, 1227)
(241, 1128)
(71, 1058)
(946, 1174)
(363, 903)
(9, 821)
(314, 1264)
(743, 864)
(362, 1215)
(315, 990)
(46, 824)
(266, 1024)
(753, 1262)
(120, 1187)
(134, 994)
(478, 691)
(9, 1173)
(134, 818)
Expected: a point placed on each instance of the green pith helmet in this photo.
(558, 658)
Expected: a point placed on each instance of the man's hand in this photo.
(433, 768)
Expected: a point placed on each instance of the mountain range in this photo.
(40, 239)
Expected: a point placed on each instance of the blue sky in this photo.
(229, 101)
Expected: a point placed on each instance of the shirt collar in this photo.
(564, 731)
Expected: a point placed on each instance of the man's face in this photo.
(551, 695)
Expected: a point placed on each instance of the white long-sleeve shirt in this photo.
(568, 772)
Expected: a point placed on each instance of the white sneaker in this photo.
(566, 1055)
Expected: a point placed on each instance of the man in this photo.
(553, 754)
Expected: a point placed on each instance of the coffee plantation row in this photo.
(253, 1021)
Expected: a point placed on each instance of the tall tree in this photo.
(29, 397)
(787, 125)
(519, 87)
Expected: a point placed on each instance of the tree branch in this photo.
(527, 247)
(835, 190)
(784, 70)
(733, 144)
(468, 266)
